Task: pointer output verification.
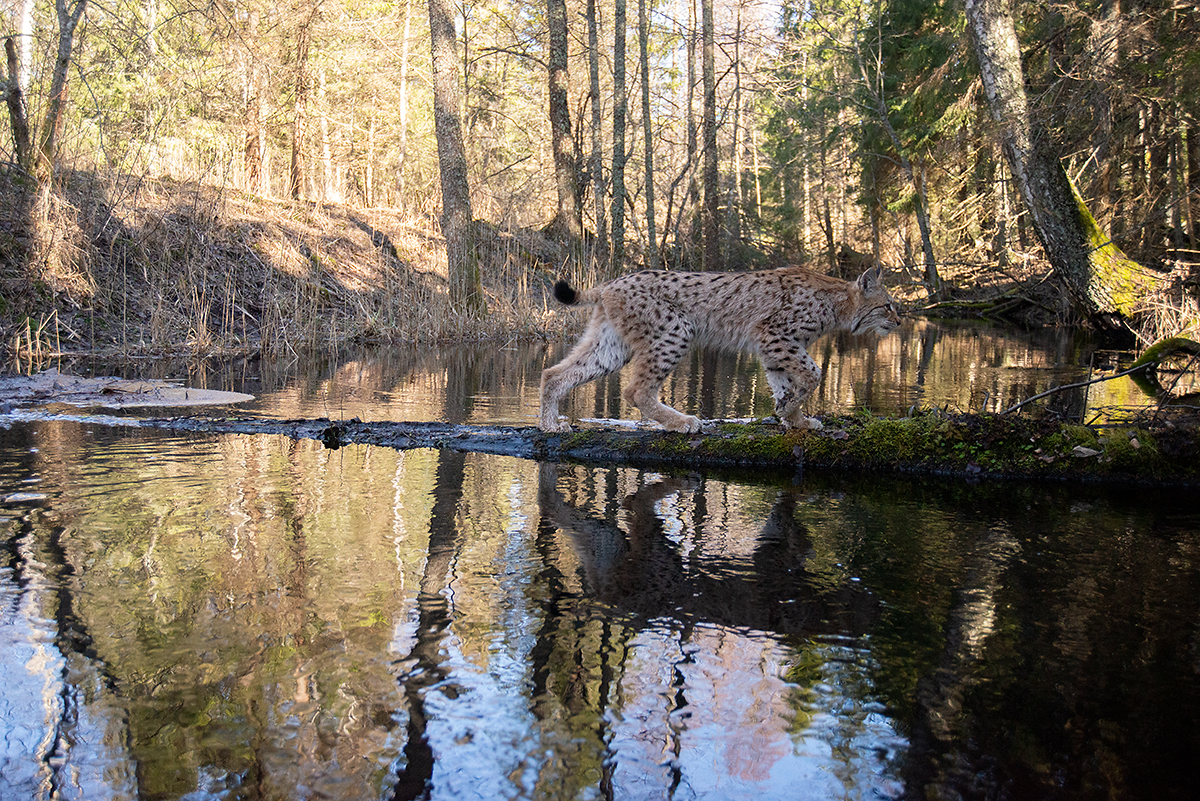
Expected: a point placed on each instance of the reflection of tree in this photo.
(641, 571)
(433, 618)
(645, 580)
(53, 662)
(936, 764)
(577, 659)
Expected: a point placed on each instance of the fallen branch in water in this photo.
(1142, 370)
(1064, 387)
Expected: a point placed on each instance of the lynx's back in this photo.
(727, 308)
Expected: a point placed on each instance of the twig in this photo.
(1052, 390)
(1167, 395)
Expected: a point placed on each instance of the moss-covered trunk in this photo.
(968, 446)
(1104, 284)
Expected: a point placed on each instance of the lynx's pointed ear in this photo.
(871, 280)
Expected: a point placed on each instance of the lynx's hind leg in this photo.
(601, 351)
(656, 354)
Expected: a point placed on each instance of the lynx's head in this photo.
(875, 311)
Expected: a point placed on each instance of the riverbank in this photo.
(137, 267)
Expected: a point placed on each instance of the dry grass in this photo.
(169, 268)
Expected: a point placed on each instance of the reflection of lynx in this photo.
(643, 572)
(651, 318)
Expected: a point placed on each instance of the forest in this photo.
(236, 175)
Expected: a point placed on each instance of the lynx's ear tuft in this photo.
(563, 293)
(871, 280)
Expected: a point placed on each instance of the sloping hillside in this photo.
(157, 266)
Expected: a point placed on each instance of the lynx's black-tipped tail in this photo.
(564, 294)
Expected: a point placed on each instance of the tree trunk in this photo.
(597, 159)
(151, 11)
(47, 151)
(737, 200)
(25, 44)
(693, 188)
(369, 165)
(1103, 283)
(648, 136)
(1192, 188)
(862, 445)
(255, 149)
(403, 100)
(874, 87)
(712, 190)
(566, 221)
(330, 191)
(300, 112)
(618, 144)
(15, 98)
(466, 290)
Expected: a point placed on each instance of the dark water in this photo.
(203, 617)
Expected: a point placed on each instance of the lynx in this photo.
(651, 318)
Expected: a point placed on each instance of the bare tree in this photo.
(14, 97)
(566, 220)
(254, 146)
(300, 106)
(466, 290)
(618, 143)
(711, 213)
(48, 140)
(596, 161)
(648, 136)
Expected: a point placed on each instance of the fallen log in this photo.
(929, 442)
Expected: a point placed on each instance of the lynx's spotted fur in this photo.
(651, 318)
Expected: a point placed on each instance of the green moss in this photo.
(973, 445)
(1147, 380)
(1122, 279)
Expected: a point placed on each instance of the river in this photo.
(252, 617)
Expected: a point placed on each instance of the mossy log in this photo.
(1171, 347)
(971, 446)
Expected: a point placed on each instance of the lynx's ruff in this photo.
(651, 318)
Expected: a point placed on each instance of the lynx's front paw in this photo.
(557, 426)
(686, 423)
(801, 422)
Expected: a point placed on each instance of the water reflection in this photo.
(235, 617)
(961, 367)
(703, 696)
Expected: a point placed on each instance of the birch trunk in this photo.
(1104, 285)
(25, 44)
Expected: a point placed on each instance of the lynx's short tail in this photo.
(564, 294)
